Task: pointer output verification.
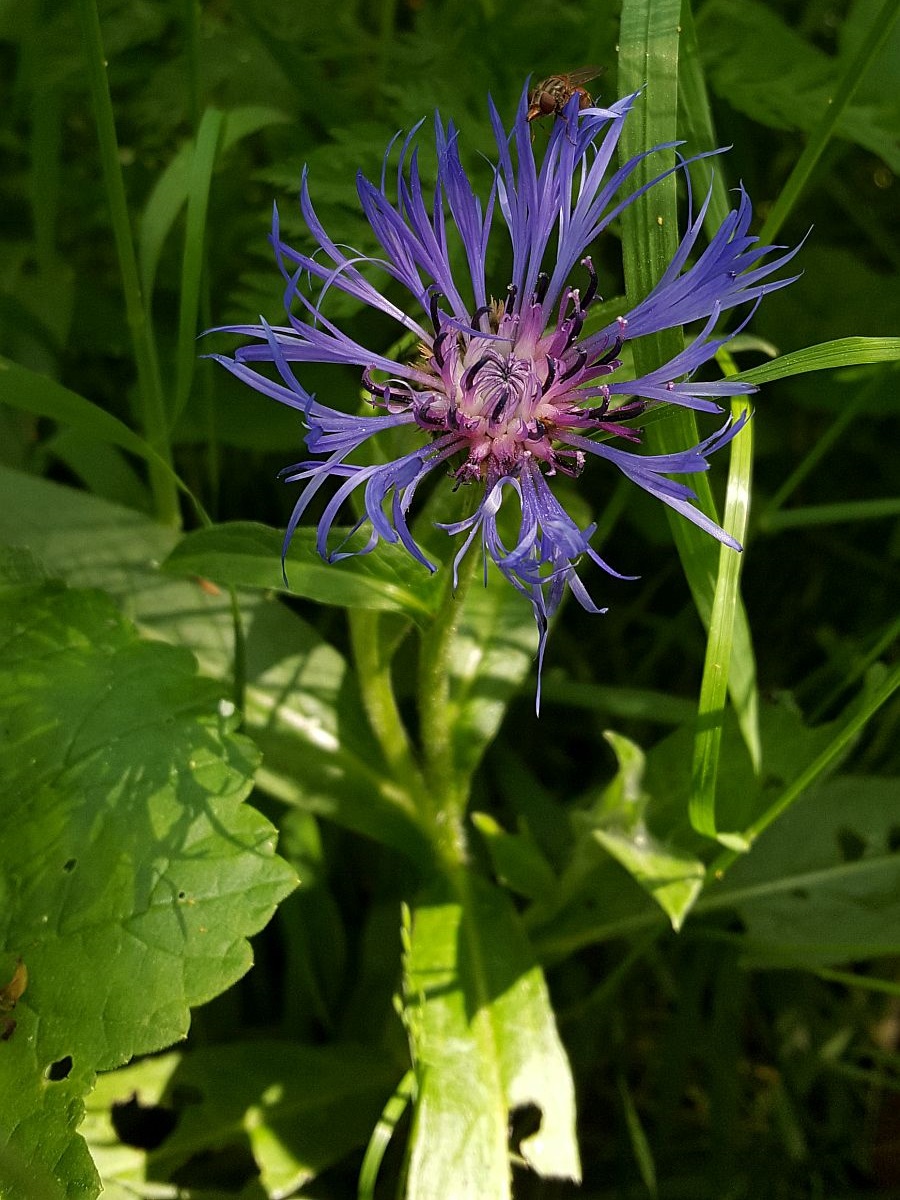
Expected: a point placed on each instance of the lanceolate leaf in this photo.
(134, 873)
(249, 555)
(485, 1044)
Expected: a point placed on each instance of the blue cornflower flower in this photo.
(504, 393)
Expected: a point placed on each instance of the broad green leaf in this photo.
(880, 686)
(103, 468)
(822, 885)
(243, 554)
(132, 873)
(301, 705)
(297, 1108)
(672, 877)
(485, 1043)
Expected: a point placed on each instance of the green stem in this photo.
(373, 670)
(447, 791)
(819, 138)
(152, 414)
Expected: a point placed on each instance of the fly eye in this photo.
(546, 103)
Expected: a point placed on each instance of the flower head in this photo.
(506, 391)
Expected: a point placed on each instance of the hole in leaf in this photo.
(851, 845)
(70, 864)
(182, 895)
(60, 1069)
(227, 1170)
(524, 1122)
(7, 1028)
(893, 838)
(145, 1126)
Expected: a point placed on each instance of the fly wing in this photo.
(583, 75)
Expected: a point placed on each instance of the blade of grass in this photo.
(194, 258)
(831, 514)
(719, 645)
(853, 75)
(152, 414)
(860, 716)
(39, 394)
(382, 1134)
(649, 54)
(696, 124)
(843, 352)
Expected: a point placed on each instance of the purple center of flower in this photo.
(509, 386)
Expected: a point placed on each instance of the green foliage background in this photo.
(428, 1010)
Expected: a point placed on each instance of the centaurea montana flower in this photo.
(504, 393)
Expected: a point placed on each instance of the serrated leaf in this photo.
(131, 873)
(244, 554)
(485, 1043)
(300, 703)
(299, 1108)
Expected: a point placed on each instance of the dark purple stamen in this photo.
(551, 376)
(433, 310)
(580, 360)
(591, 292)
(469, 374)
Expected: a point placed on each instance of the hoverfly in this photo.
(552, 94)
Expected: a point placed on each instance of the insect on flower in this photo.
(552, 94)
(512, 386)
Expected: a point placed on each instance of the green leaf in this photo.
(516, 858)
(822, 885)
(672, 877)
(827, 356)
(649, 54)
(719, 645)
(36, 393)
(485, 1043)
(792, 84)
(791, 751)
(173, 185)
(244, 554)
(297, 1108)
(301, 706)
(193, 258)
(132, 874)
(490, 656)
